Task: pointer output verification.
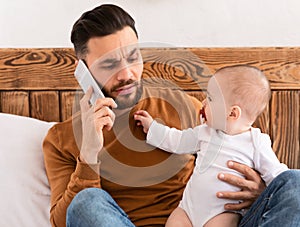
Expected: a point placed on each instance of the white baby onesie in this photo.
(214, 148)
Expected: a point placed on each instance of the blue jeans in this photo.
(277, 206)
(94, 207)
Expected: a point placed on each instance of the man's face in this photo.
(116, 63)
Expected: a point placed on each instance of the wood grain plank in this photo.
(37, 69)
(44, 105)
(69, 103)
(179, 67)
(188, 68)
(15, 102)
(285, 126)
(281, 65)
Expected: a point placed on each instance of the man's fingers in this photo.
(244, 199)
(84, 102)
(104, 122)
(238, 195)
(253, 180)
(104, 117)
(238, 206)
(100, 103)
(247, 171)
(234, 180)
(251, 186)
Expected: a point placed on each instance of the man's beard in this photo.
(126, 101)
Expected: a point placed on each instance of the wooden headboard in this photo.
(39, 83)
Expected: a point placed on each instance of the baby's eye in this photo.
(209, 98)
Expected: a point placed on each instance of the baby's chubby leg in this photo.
(178, 218)
(225, 220)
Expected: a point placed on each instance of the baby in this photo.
(236, 95)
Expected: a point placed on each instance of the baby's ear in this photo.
(235, 112)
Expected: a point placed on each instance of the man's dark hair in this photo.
(103, 20)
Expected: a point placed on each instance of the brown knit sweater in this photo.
(146, 182)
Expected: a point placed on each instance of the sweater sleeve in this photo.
(67, 175)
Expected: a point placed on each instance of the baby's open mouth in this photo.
(202, 115)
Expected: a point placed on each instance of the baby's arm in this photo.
(265, 160)
(144, 119)
(166, 138)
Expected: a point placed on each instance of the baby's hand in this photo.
(144, 119)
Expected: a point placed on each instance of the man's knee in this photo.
(290, 187)
(291, 178)
(86, 199)
(91, 193)
(95, 207)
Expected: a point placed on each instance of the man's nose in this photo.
(124, 73)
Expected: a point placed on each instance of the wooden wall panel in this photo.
(188, 68)
(175, 68)
(69, 103)
(44, 105)
(39, 82)
(285, 121)
(15, 102)
(281, 65)
(37, 69)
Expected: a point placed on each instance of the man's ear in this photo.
(235, 112)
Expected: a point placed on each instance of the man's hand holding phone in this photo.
(86, 80)
(94, 119)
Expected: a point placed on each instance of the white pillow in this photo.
(24, 188)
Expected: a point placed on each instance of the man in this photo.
(100, 170)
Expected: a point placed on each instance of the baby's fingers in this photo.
(138, 117)
(143, 113)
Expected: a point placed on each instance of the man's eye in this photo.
(134, 58)
(108, 67)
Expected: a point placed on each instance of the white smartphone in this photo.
(86, 79)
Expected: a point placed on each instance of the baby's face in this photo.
(215, 105)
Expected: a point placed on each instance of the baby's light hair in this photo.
(248, 88)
